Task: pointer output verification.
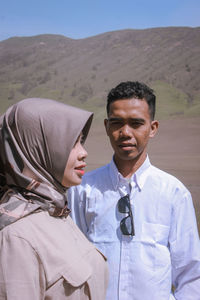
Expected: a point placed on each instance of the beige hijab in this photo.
(36, 138)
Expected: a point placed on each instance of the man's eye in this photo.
(137, 124)
(115, 122)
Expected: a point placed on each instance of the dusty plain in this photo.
(175, 149)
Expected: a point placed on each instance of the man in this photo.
(140, 217)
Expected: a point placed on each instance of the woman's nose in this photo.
(83, 153)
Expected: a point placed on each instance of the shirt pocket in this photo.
(154, 250)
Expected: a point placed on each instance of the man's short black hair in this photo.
(133, 89)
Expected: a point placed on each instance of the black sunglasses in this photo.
(126, 224)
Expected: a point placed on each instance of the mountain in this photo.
(81, 72)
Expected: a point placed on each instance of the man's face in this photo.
(129, 128)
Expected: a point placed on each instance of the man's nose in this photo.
(126, 130)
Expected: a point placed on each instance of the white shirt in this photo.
(165, 249)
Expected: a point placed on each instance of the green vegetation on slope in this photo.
(81, 72)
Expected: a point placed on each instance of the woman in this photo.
(43, 255)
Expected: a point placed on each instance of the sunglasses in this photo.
(126, 224)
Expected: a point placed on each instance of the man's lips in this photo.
(127, 145)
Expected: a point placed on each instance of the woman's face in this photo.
(74, 169)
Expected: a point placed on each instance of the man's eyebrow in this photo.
(131, 119)
(114, 119)
(138, 119)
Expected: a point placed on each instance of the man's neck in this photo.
(128, 167)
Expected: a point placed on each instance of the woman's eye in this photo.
(82, 140)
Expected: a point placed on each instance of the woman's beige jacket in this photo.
(48, 258)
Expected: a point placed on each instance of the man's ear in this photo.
(106, 125)
(154, 128)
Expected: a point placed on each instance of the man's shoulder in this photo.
(166, 178)
(163, 173)
(96, 172)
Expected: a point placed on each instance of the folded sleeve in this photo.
(185, 248)
(21, 272)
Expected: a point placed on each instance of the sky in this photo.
(84, 18)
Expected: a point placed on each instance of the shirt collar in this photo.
(138, 178)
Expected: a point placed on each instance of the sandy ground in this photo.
(175, 149)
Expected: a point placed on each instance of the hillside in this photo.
(81, 72)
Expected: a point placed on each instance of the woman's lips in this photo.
(80, 170)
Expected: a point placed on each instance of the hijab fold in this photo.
(36, 138)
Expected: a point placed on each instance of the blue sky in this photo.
(83, 18)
